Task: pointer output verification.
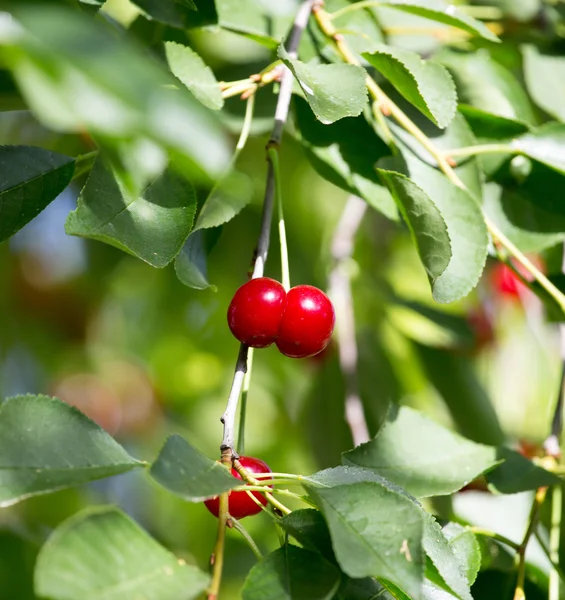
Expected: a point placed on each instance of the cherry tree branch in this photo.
(340, 293)
(281, 115)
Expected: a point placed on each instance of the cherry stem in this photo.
(554, 541)
(340, 293)
(495, 536)
(442, 159)
(273, 156)
(262, 250)
(247, 537)
(243, 407)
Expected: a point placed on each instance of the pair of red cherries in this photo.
(300, 322)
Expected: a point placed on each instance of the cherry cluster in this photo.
(300, 322)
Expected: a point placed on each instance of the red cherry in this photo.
(307, 323)
(239, 503)
(256, 310)
(505, 282)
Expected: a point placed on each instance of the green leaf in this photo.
(528, 226)
(152, 225)
(437, 10)
(426, 84)
(546, 144)
(186, 472)
(189, 68)
(424, 220)
(47, 445)
(290, 573)
(465, 225)
(490, 126)
(499, 92)
(182, 14)
(375, 532)
(518, 474)
(423, 457)
(101, 554)
(77, 75)
(334, 151)
(545, 80)
(333, 91)
(443, 557)
(31, 179)
(466, 548)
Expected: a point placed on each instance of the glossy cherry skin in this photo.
(505, 281)
(240, 505)
(307, 323)
(256, 310)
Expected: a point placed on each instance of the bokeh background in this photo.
(145, 356)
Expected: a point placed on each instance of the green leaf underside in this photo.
(307, 526)
(545, 80)
(70, 70)
(47, 445)
(424, 220)
(191, 70)
(375, 532)
(333, 91)
(290, 573)
(190, 265)
(186, 472)
(465, 225)
(152, 225)
(101, 554)
(434, 462)
(182, 14)
(30, 178)
(437, 10)
(518, 474)
(335, 153)
(426, 84)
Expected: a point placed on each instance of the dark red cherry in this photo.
(256, 310)
(307, 323)
(240, 505)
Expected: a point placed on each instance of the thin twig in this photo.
(495, 536)
(247, 537)
(340, 293)
(555, 574)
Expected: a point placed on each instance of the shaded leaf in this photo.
(47, 445)
(424, 220)
(426, 84)
(334, 151)
(186, 472)
(437, 10)
(490, 126)
(189, 68)
(307, 526)
(545, 80)
(518, 474)
(435, 462)
(30, 178)
(528, 226)
(375, 532)
(291, 573)
(333, 91)
(101, 554)
(465, 227)
(152, 224)
(191, 264)
(499, 92)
